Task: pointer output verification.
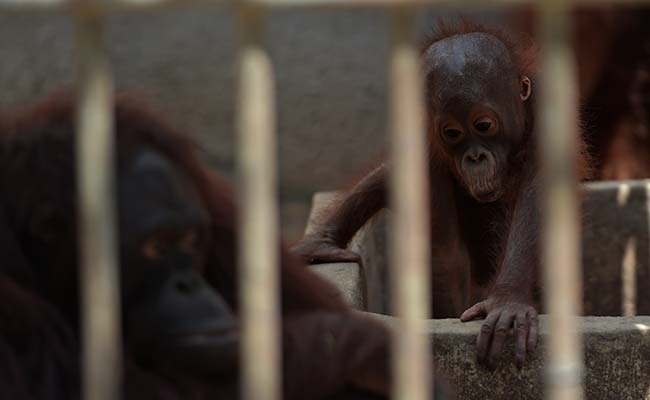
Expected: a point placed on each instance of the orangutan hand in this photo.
(315, 249)
(500, 315)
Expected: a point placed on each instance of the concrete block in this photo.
(615, 242)
(617, 349)
(347, 278)
(617, 361)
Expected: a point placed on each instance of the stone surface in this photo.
(616, 234)
(617, 349)
(617, 360)
(348, 278)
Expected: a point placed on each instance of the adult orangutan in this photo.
(178, 236)
(484, 184)
(612, 46)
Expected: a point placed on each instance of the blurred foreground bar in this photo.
(562, 280)
(409, 239)
(98, 267)
(108, 6)
(258, 243)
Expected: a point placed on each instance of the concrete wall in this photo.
(331, 83)
(617, 360)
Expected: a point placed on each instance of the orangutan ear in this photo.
(525, 88)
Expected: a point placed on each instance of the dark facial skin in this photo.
(485, 220)
(171, 314)
(480, 124)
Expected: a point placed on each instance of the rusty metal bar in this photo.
(107, 6)
(138, 5)
(629, 268)
(258, 244)
(453, 4)
(561, 257)
(99, 275)
(628, 262)
(410, 230)
(647, 197)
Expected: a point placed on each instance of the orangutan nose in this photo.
(475, 157)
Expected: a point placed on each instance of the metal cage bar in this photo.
(629, 268)
(410, 229)
(134, 5)
(561, 250)
(99, 275)
(258, 244)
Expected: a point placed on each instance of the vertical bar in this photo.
(647, 210)
(562, 275)
(628, 275)
(99, 275)
(408, 195)
(258, 245)
(628, 262)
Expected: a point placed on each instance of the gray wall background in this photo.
(331, 71)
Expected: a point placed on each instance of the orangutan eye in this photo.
(153, 248)
(156, 245)
(485, 125)
(452, 134)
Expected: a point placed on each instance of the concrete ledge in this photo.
(617, 360)
(347, 278)
(615, 239)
